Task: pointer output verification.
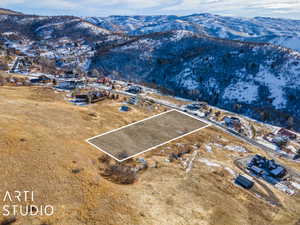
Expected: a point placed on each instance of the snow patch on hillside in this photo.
(275, 85)
(187, 79)
(235, 148)
(288, 42)
(180, 34)
(92, 28)
(208, 162)
(242, 92)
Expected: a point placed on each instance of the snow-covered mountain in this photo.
(254, 78)
(260, 80)
(65, 41)
(282, 32)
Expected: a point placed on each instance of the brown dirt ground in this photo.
(8, 12)
(42, 141)
(141, 136)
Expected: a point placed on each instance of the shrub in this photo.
(120, 174)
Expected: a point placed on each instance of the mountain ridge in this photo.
(285, 32)
(9, 12)
(193, 70)
(236, 75)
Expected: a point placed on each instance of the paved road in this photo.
(226, 129)
(270, 196)
(270, 151)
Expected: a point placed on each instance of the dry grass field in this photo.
(42, 148)
(131, 140)
(8, 12)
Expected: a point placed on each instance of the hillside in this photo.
(259, 80)
(283, 32)
(43, 149)
(8, 12)
(254, 78)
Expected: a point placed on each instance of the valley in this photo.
(144, 120)
(231, 74)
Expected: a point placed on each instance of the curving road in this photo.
(224, 128)
(270, 196)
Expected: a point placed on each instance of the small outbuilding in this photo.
(244, 182)
(278, 172)
(134, 89)
(41, 79)
(287, 133)
(193, 107)
(124, 108)
(256, 170)
(133, 101)
(269, 179)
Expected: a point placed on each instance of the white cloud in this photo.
(57, 4)
(275, 8)
(4, 3)
(118, 3)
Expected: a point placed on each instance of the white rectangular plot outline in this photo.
(151, 148)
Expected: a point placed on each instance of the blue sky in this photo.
(242, 8)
